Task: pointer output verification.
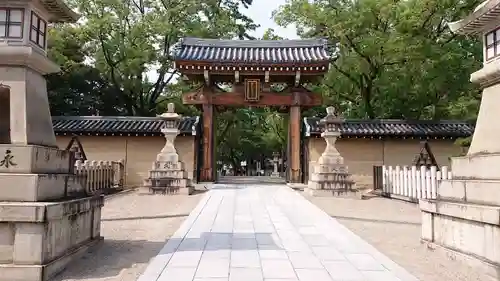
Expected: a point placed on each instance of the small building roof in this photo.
(395, 128)
(60, 11)
(485, 13)
(151, 126)
(114, 125)
(248, 52)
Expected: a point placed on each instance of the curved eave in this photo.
(478, 20)
(61, 11)
(214, 63)
(119, 134)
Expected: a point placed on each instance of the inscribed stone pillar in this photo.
(330, 175)
(168, 174)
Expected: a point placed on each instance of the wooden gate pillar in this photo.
(294, 141)
(207, 169)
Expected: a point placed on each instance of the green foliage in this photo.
(249, 133)
(394, 59)
(128, 40)
(79, 89)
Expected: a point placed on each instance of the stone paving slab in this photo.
(266, 233)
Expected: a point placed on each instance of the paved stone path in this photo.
(266, 233)
(394, 228)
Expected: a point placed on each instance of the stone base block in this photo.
(167, 174)
(33, 159)
(469, 229)
(160, 182)
(485, 192)
(37, 240)
(11, 272)
(172, 190)
(330, 193)
(329, 168)
(331, 185)
(168, 165)
(479, 166)
(38, 187)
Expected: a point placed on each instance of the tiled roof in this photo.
(151, 126)
(128, 125)
(396, 128)
(253, 51)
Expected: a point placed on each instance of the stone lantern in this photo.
(48, 216)
(330, 176)
(331, 124)
(23, 62)
(467, 205)
(276, 160)
(170, 130)
(168, 174)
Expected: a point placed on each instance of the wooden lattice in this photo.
(76, 146)
(425, 157)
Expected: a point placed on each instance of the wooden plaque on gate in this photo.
(252, 90)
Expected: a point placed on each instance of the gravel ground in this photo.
(135, 227)
(393, 227)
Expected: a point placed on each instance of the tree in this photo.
(130, 39)
(79, 89)
(393, 59)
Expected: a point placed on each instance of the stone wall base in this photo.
(488, 269)
(469, 229)
(330, 193)
(38, 239)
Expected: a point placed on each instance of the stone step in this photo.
(38, 187)
(474, 191)
(480, 166)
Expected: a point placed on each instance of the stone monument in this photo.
(46, 216)
(465, 217)
(330, 175)
(168, 173)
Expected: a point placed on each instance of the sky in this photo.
(261, 12)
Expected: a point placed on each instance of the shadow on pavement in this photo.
(376, 220)
(146, 217)
(109, 258)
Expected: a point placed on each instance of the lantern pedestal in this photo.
(168, 175)
(330, 176)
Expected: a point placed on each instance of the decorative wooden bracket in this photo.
(425, 157)
(236, 77)
(297, 78)
(207, 77)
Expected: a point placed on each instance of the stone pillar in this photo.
(330, 175)
(275, 172)
(168, 174)
(48, 216)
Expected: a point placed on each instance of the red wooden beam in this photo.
(303, 99)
